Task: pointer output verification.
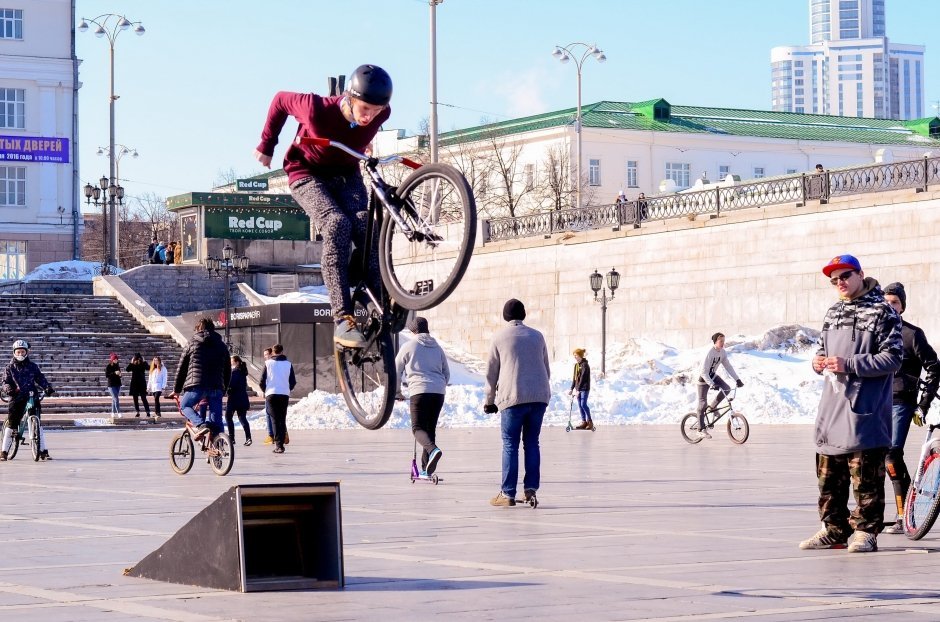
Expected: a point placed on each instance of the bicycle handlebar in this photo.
(315, 141)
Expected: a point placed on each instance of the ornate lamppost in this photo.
(597, 284)
(122, 150)
(110, 25)
(564, 54)
(102, 195)
(226, 267)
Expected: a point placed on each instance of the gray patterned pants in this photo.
(338, 206)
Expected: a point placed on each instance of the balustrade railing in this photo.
(917, 174)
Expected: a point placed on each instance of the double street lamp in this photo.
(103, 195)
(597, 284)
(122, 150)
(110, 25)
(565, 54)
(225, 267)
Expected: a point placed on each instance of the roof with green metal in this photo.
(718, 121)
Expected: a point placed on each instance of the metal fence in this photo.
(917, 174)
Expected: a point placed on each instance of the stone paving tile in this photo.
(634, 524)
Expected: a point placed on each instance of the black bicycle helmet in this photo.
(371, 84)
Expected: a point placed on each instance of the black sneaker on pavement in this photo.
(530, 497)
(3, 456)
(433, 458)
(44, 455)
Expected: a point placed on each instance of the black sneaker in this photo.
(44, 455)
(248, 442)
(433, 458)
(3, 456)
(530, 497)
(279, 449)
(201, 430)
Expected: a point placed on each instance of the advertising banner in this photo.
(34, 149)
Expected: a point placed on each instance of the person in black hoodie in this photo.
(918, 355)
(112, 373)
(20, 379)
(138, 386)
(204, 372)
(237, 402)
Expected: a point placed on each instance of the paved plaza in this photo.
(634, 524)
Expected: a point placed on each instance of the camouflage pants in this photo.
(865, 470)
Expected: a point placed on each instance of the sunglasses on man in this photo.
(842, 278)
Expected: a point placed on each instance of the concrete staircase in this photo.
(71, 337)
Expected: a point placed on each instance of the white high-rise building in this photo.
(850, 68)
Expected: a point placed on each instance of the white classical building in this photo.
(39, 220)
(851, 68)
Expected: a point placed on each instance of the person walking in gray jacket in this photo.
(860, 350)
(517, 374)
(425, 369)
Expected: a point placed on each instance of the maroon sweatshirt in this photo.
(320, 117)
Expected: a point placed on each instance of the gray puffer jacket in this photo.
(855, 407)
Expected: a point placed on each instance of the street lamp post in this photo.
(225, 267)
(564, 54)
(110, 25)
(597, 284)
(123, 150)
(104, 194)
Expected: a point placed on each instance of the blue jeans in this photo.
(115, 402)
(523, 420)
(901, 416)
(583, 405)
(192, 398)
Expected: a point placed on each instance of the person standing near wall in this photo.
(277, 381)
(517, 381)
(860, 351)
(918, 355)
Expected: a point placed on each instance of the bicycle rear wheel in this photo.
(182, 453)
(422, 268)
(367, 375)
(923, 501)
(689, 428)
(221, 454)
(738, 428)
(32, 423)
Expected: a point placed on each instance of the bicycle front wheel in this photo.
(32, 422)
(182, 453)
(367, 375)
(923, 501)
(689, 428)
(15, 447)
(738, 428)
(221, 454)
(422, 267)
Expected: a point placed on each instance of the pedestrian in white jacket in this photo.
(156, 382)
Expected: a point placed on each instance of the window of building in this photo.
(11, 23)
(723, 171)
(791, 171)
(12, 260)
(529, 176)
(679, 172)
(594, 172)
(632, 174)
(12, 185)
(758, 172)
(13, 108)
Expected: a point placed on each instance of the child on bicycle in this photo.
(711, 380)
(20, 379)
(327, 183)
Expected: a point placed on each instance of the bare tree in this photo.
(505, 163)
(151, 209)
(554, 188)
(477, 168)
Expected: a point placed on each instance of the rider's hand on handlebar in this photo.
(9, 389)
(264, 159)
(49, 391)
(740, 383)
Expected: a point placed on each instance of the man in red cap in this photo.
(860, 349)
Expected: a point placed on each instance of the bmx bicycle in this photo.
(922, 504)
(217, 447)
(737, 426)
(27, 433)
(426, 228)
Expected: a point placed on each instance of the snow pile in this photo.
(67, 271)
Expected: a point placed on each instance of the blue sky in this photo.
(195, 88)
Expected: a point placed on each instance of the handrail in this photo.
(918, 174)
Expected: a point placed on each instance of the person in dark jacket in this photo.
(138, 385)
(422, 363)
(152, 247)
(277, 381)
(237, 402)
(204, 372)
(581, 387)
(860, 350)
(112, 374)
(918, 356)
(20, 379)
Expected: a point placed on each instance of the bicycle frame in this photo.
(723, 409)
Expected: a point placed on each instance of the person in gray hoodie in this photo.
(860, 350)
(517, 382)
(425, 369)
